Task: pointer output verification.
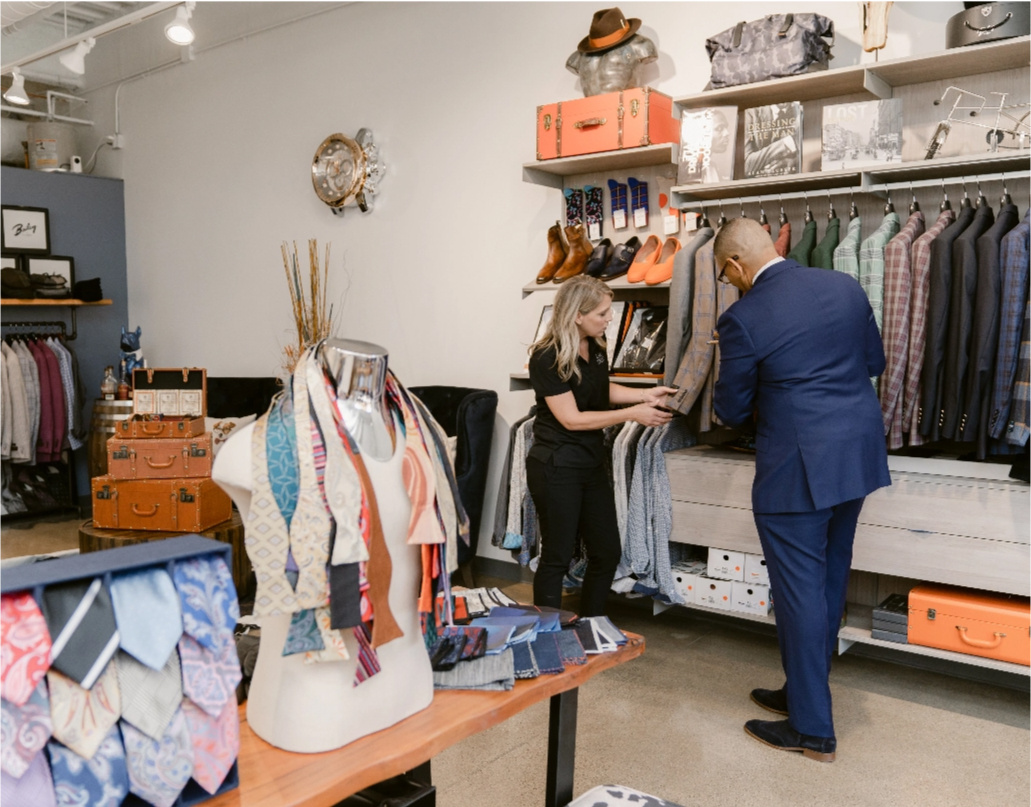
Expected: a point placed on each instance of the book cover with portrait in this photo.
(773, 140)
(707, 140)
(861, 134)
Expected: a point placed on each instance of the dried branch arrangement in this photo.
(314, 321)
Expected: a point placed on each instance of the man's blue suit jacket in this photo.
(801, 347)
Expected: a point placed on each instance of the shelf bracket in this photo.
(659, 607)
(545, 178)
(844, 644)
(876, 86)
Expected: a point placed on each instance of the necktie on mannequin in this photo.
(81, 622)
(80, 717)
(333, 646)
(149, 697)
(210, 677)
(35, 787)
(267, 538)
(215, 741)
(208, 596)
(148, 615)
(303, 635)
(102, 781)
(368, 661)
(159, 769)
(24, 731)
(24, 647)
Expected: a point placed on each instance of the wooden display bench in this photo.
(271, 777)
(93, 539)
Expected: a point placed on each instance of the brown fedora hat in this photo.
(608, 29)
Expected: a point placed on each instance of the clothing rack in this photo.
(48, 324)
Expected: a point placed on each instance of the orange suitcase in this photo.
(167, 402)
(978, 623)
(162, 505)
(161, 458)
(142, 427)
(608, 122)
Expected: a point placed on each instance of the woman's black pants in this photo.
(574, 502)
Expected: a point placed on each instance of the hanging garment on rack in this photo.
(726, 296)
(984, 337)
(898, 290)
(871, 264)
(846, 256)
(1015, 281)
(962, 292)
(783, 242)
(620, 482)
(803, 251)
(697, 359)
(30, 376)
(21, 418)
(504, 487)
(678, 325)
(66, 401)
(6, 417)
(929, 415)
(823, 253)
(1020, 417)
(920, 271)
(49, 393)
(73, 392)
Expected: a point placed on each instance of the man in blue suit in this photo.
(799, 349)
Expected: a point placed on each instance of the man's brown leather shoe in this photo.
(556, 254)
(579, 253)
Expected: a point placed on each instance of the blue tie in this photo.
(148, 615)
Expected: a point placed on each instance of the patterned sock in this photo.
(638, 201)
(617, 192)
(574, 206)
(594, 204)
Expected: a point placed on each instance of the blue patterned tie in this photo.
(101, 781)
(159, 769)
(208, 597)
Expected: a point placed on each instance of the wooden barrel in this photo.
(106, 415)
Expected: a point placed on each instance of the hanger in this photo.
(853, 211)
(981, 200)
(808, 212)
(889, 207)
(762, 213)
(1006, 199)
(705, 219)
(946, 204)
(831, 213)
(723, 219)
(783, 219)
(744, 215)
(966, 199)
(914, 206)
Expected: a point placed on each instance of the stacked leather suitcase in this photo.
(159, 460)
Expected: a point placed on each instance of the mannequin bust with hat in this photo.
(607, 59)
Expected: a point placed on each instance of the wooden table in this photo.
(271, 777)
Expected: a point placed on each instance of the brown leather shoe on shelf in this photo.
(579, 253)
(662, 269)
(645, 259)
(556, 254)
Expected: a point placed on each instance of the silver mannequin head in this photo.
(359, 370)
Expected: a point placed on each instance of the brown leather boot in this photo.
(556, 254)
(579, 253)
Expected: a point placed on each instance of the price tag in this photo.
(690, 222)
(594, 231)
(641, 217)
(619, 219)
(671, 224)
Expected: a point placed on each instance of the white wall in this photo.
(217, 168)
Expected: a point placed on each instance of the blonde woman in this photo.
(565, 467)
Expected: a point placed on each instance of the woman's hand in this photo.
(648, 414)
(656, 396)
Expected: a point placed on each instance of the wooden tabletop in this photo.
(271, 777)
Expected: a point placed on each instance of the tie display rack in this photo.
(34, 577)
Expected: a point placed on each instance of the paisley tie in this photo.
(102, 781)
(208, 597)
(148, 615)
(149, 697)
(334, 648)
(159, 769)
(24, 647)
(24, 730)
(267, 539)
(209, 677)
(311, 526)
(35, 787)
(303, 636)
(81, 718)
(215, 741)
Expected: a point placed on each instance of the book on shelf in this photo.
(861, 134)
(642, 350)
(773, 140)
(614, 330)
(707, 140)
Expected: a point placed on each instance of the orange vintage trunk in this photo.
(615, 120)
(139, 427)
(160, 458)
(162, 505)
(974, 622)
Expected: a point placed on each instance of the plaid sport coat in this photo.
(1014, 265)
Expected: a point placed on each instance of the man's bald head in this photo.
(747, 240)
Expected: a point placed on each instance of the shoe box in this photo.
(755, 570)
(978, 623)
(750, 598)
(714, 593)
(725, 565)
(686, 578)
(159, 460)
(608, 122)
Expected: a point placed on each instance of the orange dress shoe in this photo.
(662, 269)
(556, 254)
(645, 259)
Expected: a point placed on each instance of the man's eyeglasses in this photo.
(722, 278)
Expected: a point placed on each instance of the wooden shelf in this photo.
(551, 172)
(766, 619)
(858, 629)
(765, 186)
(521, 381)
(64, 303)
(876, 80)
(620, 284)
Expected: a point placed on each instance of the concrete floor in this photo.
(670, 723)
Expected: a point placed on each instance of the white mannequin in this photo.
(315, 707)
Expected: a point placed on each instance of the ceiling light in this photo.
(16, 92)
(75, 59)
(178, 30)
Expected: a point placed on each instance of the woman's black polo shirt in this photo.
(551, 440)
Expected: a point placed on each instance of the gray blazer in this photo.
(681, 289)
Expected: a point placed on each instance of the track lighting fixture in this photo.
(75, 59)
(16, 92)
(178, 30)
